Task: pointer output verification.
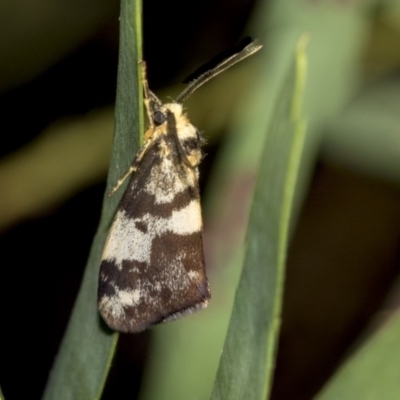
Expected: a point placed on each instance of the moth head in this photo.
(160, 114)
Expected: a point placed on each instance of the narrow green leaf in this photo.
(1, 395)
(373, 371)
(248, 356)
(181, 362)
(81, 367)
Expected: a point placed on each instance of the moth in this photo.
(152, 266)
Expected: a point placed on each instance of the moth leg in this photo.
(151, 101)
(132, 168)
(121, 181)
(147, 96)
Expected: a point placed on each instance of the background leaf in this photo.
(247, 360)
(84, 359)
(372, 372)
(57, 101)
(184, 356)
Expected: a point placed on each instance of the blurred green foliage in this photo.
(351, 104)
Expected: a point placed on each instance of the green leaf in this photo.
(81, 367)
(246, 364)
(184, 355)
(373, 371)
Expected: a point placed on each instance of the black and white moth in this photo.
(152, 266)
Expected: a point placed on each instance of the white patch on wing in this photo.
(129, 297)
(193, 275)
(112, 305)
(116, 303)
(126, 242)
(165, 191)
(186, 220)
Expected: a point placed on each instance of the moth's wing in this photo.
(153, 263)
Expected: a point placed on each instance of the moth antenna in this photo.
(232, 60)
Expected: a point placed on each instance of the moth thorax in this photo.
(174, 108)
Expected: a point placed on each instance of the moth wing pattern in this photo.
(153, 263)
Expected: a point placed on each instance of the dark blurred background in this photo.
(58, 75)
